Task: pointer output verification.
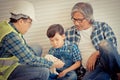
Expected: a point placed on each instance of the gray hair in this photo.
(84, 8)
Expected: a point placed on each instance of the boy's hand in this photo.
(62, 74)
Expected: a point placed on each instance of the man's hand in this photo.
(92, 60)
(57, 63)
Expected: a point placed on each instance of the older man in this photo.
(97, 43)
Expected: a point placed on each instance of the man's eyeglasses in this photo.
(30, 22)
(78, 20)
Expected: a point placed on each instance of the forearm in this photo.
(15, 46)
(74, 66)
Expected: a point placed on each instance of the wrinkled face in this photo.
(80, 21)
(57, 41)
(24, 25)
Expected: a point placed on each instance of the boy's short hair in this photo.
(53, 29)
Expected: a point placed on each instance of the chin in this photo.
(23, 33)
(56, 47)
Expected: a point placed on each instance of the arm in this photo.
(57, 62)
(76, 58)
(72, 67)
(15, 46)
(101, 32)
(92, 60)
(109, 34)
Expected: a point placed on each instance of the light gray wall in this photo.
(58, 11)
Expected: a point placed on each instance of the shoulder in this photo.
(101, 26)
(98, 24)
(71, 45)
(12, 38)
(70, 31)
(51, 51)
(12, 35)
(70, 28)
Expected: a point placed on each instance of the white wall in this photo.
(58, 11)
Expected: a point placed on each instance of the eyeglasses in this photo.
(78, 20)
(30, 22)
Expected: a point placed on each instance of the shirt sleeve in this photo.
(109, 34)
(14, 45)
(51, 51)
(69, 34)
(76, 53)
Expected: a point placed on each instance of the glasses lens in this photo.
(78, 20)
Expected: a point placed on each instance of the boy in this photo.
(65, 51)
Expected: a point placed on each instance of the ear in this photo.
(63, 36)
(20, 21)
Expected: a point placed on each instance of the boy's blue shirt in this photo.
(69, 53)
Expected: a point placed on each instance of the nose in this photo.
(76, 22)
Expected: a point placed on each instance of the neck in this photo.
(16, 26)
(88, 26)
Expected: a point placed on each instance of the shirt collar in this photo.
(76, 31)
(65, 44)
(13, 26)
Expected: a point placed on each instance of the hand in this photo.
(92, 60)
(58, 64)
(62, 74)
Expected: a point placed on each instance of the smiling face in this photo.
(57, 41)
(80, 21)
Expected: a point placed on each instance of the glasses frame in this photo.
(25, 20)
(78, 20)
